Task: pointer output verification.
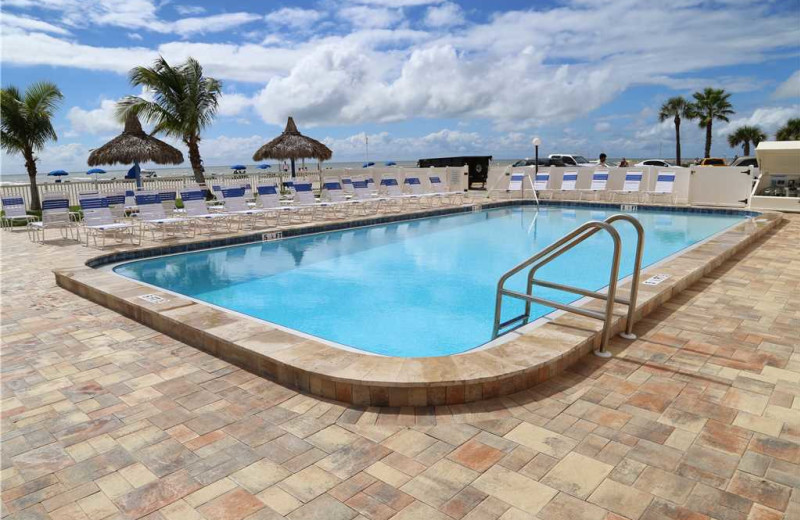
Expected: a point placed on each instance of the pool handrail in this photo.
(555, 250)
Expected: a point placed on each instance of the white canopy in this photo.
(778, 157)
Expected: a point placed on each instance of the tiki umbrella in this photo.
(135, 146)
(293, 145)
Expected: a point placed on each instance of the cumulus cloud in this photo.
(31, 24)
(448, 14)
(768, 119)
(233, 104)
(370, 17)
(789, 88)
(186, 10)
(100, 120)
(294, 17)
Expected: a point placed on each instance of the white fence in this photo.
(706, 186)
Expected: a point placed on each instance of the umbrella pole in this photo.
(292, 168)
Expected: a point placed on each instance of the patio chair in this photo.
(98, 221)
(568, 182)
(238, 209)
(152, 217)
(598, 186)
(445, 195)
(55, 215)
(195, 209)
(269, 200)
(665, 187)
(14, 210)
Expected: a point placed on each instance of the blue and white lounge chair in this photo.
(55, 214)
(334, 196)
(445, 195)
(347, 185)
(541, 183)
(14, 210)
(269, 201)
(631, 187)
(98, 221)
(238, 209)
(598, 186)
(195, 209)
(416, 192)
(152, 217)
(167, 199)
(393, 193)
(306, 203)
(369, 202)
(665, 187)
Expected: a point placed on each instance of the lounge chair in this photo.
(599, 182)
(98, 221)
(306, 203)
(195, 208)
(665, 187)
(55, 215)
(347, 185)
(336, 199)
(516, 185)
(167, 199)
(393, 193)
(269, 200)
(568, 182)
(369, 202)
(238, 209)
(631, 187)
(445, 195)
(116, 204)
(14, 210)
(153, 217)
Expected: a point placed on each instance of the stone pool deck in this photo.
(699, 418)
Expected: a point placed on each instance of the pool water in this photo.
(416, 288)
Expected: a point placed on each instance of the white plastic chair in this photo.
(665, 187)
(269, 200)
(631, 187)
(152, 217)
(98, 221)
(568, 182)
(195, 209)
(598, 186)
(13, 210)
(445, 195)
(55, 215)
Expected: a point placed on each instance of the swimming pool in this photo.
(415, 288)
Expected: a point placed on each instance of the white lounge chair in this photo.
(416, 192)
(631, 187)
(195, 209)
(14, 210)
(369, 202)
(304, 201)
(116, 204)
(335, 199)
(98, 221)
(445, 195)
(269, 200)
(237, 208)
(665, 187)
(393, 193)
(55, 215)
(167, 199)
(152, 217)
(568, 182)
(598, 186)
(347, 185)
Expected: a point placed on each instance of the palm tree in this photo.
(676, 108)
(790, 131)
(27, 125)
(711, 104)
(184, 105)
(744, 135)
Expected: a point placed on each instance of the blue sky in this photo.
(419, 77)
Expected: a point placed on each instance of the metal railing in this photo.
(555, 250)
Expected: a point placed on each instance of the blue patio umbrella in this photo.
(95, 171)
(58, 173)
(368, 164)
(238, 167)
(390, 163)
(264, 166)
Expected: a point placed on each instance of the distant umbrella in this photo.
(133, 146)
(94, 171)
(264, 166)
(293, 145)
(58, 173)
(390, 163)
(238, 167)
(368, 164)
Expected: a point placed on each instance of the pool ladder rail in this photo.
(555, 250)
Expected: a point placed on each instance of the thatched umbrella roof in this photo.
(292, 145)
(134, 146)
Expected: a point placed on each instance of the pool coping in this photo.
(364, 379)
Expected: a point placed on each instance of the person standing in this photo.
(602, 163)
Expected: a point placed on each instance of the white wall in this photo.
(720, 186)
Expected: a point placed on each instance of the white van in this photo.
(570, 159)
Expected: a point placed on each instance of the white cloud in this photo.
(602, 126)
(100, 120)
(31, 24)
(233, 104)
(294, 17)
(214, 23)
(135, 36)
(448, 14)
(186, 10)
(768, 119)
(789, 88)
(371, 17)
(397, 3)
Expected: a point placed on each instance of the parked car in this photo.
(712, 161)
(748, 161)
(570, 159)
(542, 162)
(654, 162)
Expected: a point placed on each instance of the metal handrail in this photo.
(555, 250)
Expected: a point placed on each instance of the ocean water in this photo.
(418, 288)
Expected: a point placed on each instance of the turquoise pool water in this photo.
(418, 288)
